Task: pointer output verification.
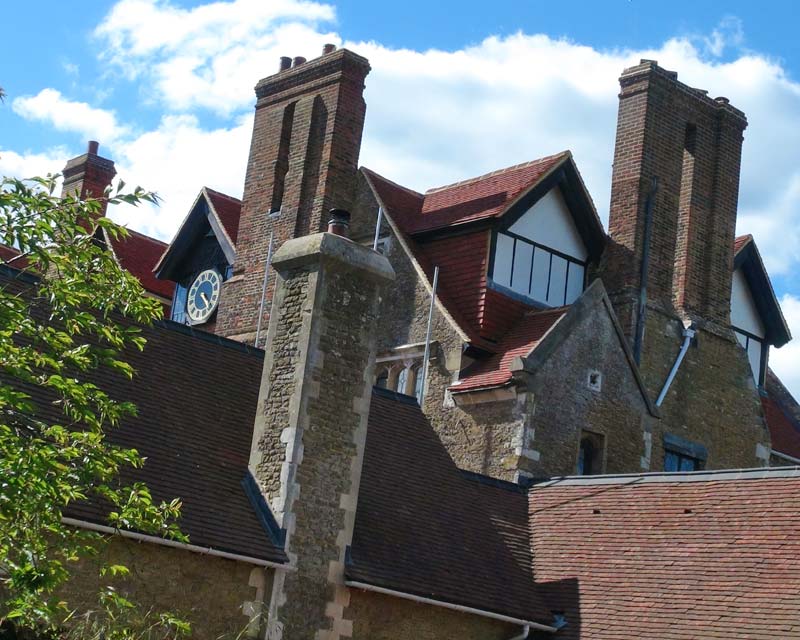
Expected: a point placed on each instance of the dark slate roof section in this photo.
(196, 399)
(748, 258)
(671, 556)
(424, 529)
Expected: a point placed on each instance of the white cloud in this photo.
(68, 115)
(210, 55)
(786, 360)
(30, 164)
(433, 116)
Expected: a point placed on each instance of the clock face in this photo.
(203, 296)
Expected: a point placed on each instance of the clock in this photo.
(203, 296)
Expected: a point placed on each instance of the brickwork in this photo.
(692, 145)
(303, 160)
(382, 617)
(88, 175)
(214, 594)
(314, 403)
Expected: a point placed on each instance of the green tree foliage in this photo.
(60, 330)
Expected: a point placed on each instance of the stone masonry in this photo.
(310, 429)
(303, 160)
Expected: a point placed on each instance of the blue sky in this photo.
(457, 89)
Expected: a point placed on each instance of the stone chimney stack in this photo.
(303, 161)
(692, 145)
(310, 429)
(88, 175)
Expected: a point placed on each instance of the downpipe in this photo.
(688, 335)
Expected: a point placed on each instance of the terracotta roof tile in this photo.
(740, 242)
(229, 210)
(519, 342)
(138, 254)
(643, 559)
(782, 414)
(486, 196)
(9, 255)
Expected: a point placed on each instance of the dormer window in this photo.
(541, 255)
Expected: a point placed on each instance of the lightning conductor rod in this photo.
(427, 359)
(264, 289)
(377, 229)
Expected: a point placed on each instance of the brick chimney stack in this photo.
(88, 175)
(303, 162)
(311, 425)
(692, 144)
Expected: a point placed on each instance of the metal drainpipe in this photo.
(688, 334)
(642, 309)
(525, 632)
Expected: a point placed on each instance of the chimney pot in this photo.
(328, 48)
(298, 60)
(286, 62)
(93, 147)
(339, 222)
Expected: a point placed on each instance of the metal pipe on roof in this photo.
(264, 289)
(141, 537)
(642, 307)
(448, 605)
(427, 358)
(377, 229)
(688, 334)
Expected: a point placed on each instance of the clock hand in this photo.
(205, 299)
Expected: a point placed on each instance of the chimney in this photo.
(310, 429)
(88, 175)
(692, 145)
(303, 162)
(339, 222)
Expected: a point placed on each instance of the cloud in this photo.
(210, 55)
(67, 115)
(784, 361)
(30, 164)
(433, 116)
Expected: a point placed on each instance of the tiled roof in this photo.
(782, 414)
(424, 528)
(196, 396)
(486, 196)
(740, 242)
(643, 557)
(229, 210)
(138, 254)
(519, 342)
(7, 254)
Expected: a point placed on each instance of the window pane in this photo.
(574, 282)
(502, 260)
(383, 379)
(402, 381)
(520, 280)
(179, 304)
(688, 464)
(754, 355)
(558, 282)
(541, 273)
(418, 382)
(671, 462)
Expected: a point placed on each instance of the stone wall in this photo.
(381, 617)
(207, 591)
(713, 400)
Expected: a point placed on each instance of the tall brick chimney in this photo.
(692, 145)
(88, 175)
(310, 429)
(303, 161)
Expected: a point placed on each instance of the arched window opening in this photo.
(590, 454)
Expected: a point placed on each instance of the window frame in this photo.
(762, 364)
(535, 245)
